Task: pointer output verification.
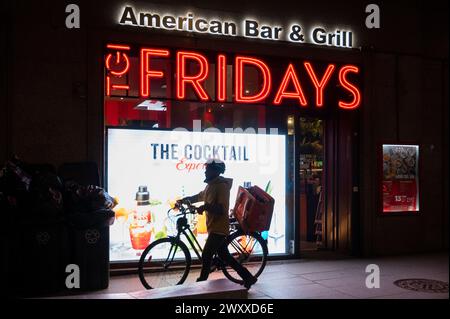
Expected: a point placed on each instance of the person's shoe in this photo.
(201, 279)
(250, 281)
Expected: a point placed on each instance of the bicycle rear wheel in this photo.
(165, 262)
(250, 250)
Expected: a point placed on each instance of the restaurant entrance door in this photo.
(328, 183)
(311, 188)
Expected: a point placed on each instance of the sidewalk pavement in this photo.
(338, 278)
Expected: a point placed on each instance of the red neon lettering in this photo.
(116, 72)
(221, 78)
(118, 64)
(194, 80)
(118, 47)
(319, 85)
(146, 73)
(350, 87)
(120, 87)
(290, 75)
(108, 64)
(114, 86)
(108, 86)
(239, 80)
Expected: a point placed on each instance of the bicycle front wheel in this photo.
(165, 262)
(250, 250)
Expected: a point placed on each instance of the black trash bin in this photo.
(34, 239)
(89, 247)
(37, 256)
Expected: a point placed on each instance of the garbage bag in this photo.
(17, 178)
(15, 184)
(31, 189)
(99, 198)
(86, 199)
(46, 194)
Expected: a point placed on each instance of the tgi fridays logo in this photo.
(301, 83)
(247, 28)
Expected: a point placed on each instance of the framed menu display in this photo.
(400, 178)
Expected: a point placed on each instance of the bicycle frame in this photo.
(183, 262)
(184, 228)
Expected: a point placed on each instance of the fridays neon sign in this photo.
(117, 65)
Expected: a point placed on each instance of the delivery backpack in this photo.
(253, 209)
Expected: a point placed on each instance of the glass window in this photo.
(311, 183)
(133, 112)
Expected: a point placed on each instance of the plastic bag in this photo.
(46, 194)
(14, 185)
(85, 199)
(17, 177)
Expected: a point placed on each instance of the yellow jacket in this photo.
(216, 196)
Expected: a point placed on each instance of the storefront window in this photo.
(134, 112)
(311, 183)
(172, 88)
(218, 115)
(143, 157)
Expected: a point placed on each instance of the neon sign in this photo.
(118, 61)
(270, 90)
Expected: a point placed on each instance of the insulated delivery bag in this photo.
(253, 209)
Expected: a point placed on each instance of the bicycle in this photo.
(167, 261)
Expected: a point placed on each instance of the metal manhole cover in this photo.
(423, 285)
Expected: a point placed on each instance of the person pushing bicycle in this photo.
(216, 196)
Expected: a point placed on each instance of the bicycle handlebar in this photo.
(190, 209)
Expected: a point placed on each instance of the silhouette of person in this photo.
(216, 196)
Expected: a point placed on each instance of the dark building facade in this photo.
(54, 108)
